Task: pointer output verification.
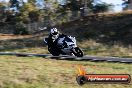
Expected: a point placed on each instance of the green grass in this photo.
(34, 72)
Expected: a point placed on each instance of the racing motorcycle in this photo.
(65, 46)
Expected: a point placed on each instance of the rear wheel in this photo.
(77, 52)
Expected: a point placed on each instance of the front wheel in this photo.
(77, 52)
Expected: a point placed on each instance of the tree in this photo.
(77, 4)
(125, 4)
(2, 8)
(28, 11)
(2, 11)
(101, 7)
(32, 1)
(14, 3)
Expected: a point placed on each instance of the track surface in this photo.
(66, 57)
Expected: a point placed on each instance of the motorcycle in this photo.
(65, 46)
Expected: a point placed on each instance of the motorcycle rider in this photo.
(58, 42)
(53, 36)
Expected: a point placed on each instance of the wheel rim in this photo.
(78, 52)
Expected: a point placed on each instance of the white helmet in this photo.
(54, 31)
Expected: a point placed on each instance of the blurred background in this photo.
(101, 27)
(29, 15)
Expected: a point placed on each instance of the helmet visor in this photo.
(55, 33)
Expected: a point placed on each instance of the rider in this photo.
(53, 36)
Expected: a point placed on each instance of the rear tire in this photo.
(77, 52)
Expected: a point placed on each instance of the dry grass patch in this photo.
(11, 36)
(34, 72)
(92, 47)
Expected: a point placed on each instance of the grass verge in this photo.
(34, 72)
(89, 47)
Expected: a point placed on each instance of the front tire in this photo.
(77, 52)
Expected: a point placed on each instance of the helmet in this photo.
(54, 31)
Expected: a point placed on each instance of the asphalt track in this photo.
(66, 57)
